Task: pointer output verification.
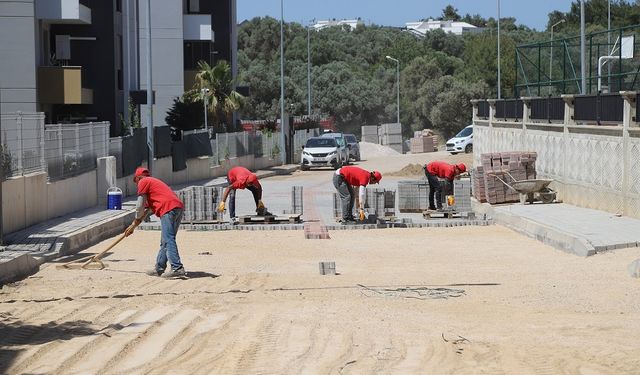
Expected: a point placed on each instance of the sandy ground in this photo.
(406, 301)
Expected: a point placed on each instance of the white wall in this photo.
(167, 58)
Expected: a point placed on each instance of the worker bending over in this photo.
(345, 180)
(242, 178)
(440, 169)
(154, 196)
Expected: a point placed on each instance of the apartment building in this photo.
(420, 28)
(83, 60)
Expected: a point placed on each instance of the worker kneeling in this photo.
(440, 169)
(345, 180)
(242, 178)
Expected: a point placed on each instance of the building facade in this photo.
(420, 28)
(85, 60)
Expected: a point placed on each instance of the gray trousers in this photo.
(347, 196)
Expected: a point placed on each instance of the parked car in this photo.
(320, 152)
(462, 142)
(353, 146)
(344, 150)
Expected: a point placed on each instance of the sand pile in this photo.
(409, 170)
(372, 151)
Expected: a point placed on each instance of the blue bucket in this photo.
(114, 198)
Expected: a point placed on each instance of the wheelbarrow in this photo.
(530, 190)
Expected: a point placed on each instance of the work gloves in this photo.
(221, 207)
(260, 205)
(362, 215)
(132, 227)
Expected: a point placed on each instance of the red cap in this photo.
(462, 167)
(377, 175)
(141, 171)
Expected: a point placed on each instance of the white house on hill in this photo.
(420, 28)
(328, 23)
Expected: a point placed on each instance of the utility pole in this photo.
(583, 67)
(282, 135)
(397, 85)
(1, 174)
(309, 70)
(149, 91)
(499, 90)
(551, 54)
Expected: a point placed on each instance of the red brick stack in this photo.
(509, 166)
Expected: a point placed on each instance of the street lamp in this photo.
(149, 91)
(204, 99)
(397, 83)
(583, 58)
(551, 53)
(282, 141)
(309, 68)
(499, 90)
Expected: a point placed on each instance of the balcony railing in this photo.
(197, 27)
(62, 85)
(63, 12)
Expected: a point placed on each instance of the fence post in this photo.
(61, 151)
(569, 109)
(43, 163)
(77, 143)
(492, 116)
(91, 148)
(628, 112)
(474, 111)
(526, 115)
(21, 153)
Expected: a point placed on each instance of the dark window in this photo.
(120, 83)
(118, 5)
(194, 51)
(193, 6)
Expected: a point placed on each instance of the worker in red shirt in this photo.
(440, 169)
(345, 180)
(154, 196)
(242, 178)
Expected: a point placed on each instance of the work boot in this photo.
(180, 272)
(263, 212)
(154, 272)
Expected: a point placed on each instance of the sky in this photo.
(532, 13)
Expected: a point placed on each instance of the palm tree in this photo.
(222, 99)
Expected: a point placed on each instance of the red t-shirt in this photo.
(160, 198)
(238, 176)
(442, 170)
(355, 176)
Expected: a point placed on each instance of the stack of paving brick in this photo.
(413, 195)
(477, 175)
(510, 167)
(391, 136)
(424, 141)
(369, 134)
(462, 194)
(380, 202)
(200, 203)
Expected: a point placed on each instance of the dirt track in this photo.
(257, 304)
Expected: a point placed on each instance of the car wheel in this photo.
(453, 153)
(468, 149)
(304, 168)
(358, 157)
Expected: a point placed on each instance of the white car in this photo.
(462, 142)
(342, 145)
(321, 152)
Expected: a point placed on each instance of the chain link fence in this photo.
(72, 149)
(21, 143)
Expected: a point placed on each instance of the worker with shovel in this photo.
(154, 196)
(345, 180)
(242, 178)
(446, 171)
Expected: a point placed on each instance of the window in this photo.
(193, 6)
(118, 5)
(194, 51)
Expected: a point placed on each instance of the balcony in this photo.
(63, 12)
(62, 85)
(197, 27)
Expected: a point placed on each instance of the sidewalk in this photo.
(577, 230)
(27, 249)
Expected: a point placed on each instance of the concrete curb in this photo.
(19, 266)
(554, 237)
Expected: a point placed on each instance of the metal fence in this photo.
(72, 149)
(21, 143)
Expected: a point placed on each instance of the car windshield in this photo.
(351, 138)
(465, 132)
(321, 142)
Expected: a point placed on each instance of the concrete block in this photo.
(634, 269)
(105, 178)
(13, 205)
(17, 268)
